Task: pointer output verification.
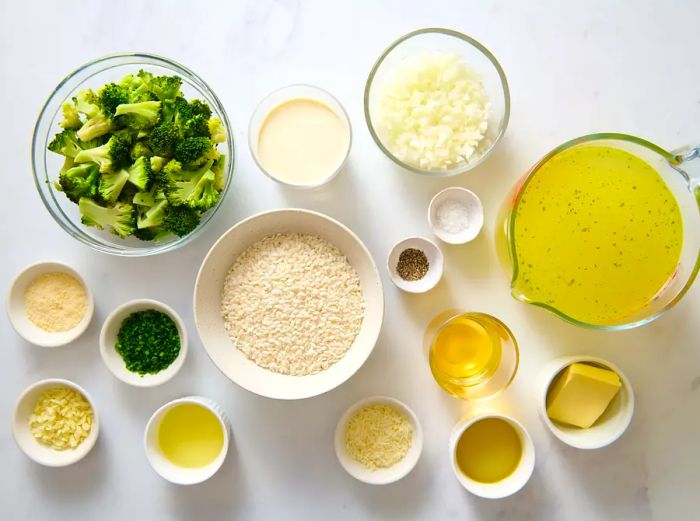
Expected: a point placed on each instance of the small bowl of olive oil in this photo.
(186, 440)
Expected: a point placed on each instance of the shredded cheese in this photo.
(378, 436)
(433, 111)
(62, 418)
(55, 302)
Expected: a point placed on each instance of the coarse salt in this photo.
(452, 216)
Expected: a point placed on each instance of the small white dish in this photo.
(36, 451)
(279, 97)
(164, 467)
(436, 263)
(473, 213)
(511, 484)
(609, 427)
(114, 361)
(18, 316)
(378, 476)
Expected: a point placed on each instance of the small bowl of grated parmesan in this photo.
(49, 304)
(55, 422)
(437, 102)
(378, 440)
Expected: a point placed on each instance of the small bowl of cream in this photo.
(300, 136)
(456, 215)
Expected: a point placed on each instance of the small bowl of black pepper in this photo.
(415, 264)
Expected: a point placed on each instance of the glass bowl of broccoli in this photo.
(132, 154)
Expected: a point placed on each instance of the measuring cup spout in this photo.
(687, 162)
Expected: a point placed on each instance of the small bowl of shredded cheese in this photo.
(49, 304)
(437, 102)
(55, 422)
(378, 440)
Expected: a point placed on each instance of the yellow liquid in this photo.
(466, 351)
(489, 451)
(597, 234)
(190, 435)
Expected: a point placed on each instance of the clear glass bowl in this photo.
(475, 55)
(46, 164)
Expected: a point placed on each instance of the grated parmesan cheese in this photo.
(378, 436)
(55, 302)
(62, 418)
(433, 111)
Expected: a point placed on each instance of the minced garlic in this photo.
(55, 302)
(62, 418)
(433, 111)
(378, 436)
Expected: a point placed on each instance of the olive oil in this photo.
(468, 350)
(489, 450)
(190, 435)
(597, 235)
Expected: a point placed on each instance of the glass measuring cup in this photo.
(680, 171)
(472, 355)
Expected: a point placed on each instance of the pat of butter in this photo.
(581, 394)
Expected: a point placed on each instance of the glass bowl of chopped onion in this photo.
(48, 165)
(437, 102)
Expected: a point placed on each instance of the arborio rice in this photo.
(292, 303)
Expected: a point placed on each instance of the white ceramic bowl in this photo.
(435, 260)
(168, 470)
(114, 361)
(210, 324)
(18, 316)
(474, 212)
(274, 100)
(378, 476)
(609, 427)
(37, 451)
(507, 486)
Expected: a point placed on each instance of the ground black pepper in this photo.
(413, 264)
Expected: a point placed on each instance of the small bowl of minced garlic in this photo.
(49, 304)
(378, 440)
(55, 422)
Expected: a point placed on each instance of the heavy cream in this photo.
(302, 142)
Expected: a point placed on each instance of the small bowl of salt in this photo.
(456, 215)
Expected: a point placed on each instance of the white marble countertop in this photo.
(574, 68)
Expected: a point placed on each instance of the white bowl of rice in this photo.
(288, 303)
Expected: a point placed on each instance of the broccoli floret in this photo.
(98, 125)
(71, 117)
(111, 185)
(139, 115)
(187, 187)
(79, 181)
(111, 156)
(86, 103)
(193, 149)
(163, 139)
(199, 107)
(66, 143)
(166, 87)
(180, 220)
(140, 173)
(205, 194)
(140, 149)
(146, 234)
(218, 169)
(157, 163)
(197, 126)
(138, 87)
(118, 219)
(144, 199)
(110, 96)
(153, 215)
(217, 132)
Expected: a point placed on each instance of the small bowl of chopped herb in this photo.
(415, 264)
(143, 343)
(55, 422)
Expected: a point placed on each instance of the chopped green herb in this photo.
(148, 341)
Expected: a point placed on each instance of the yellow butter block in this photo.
(581, 394)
